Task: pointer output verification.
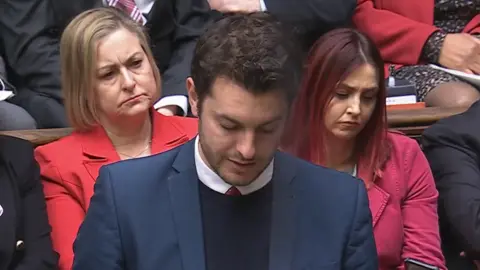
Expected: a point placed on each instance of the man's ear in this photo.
(192, 96)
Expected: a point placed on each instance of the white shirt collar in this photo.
(214, 182)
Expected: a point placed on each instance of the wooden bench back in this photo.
(414, 122)
(411, 122)
(39, 136)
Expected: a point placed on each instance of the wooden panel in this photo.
(420, 117)
(411, 122)
(39, 136)
(411, 131)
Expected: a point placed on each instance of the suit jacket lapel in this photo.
(183, 185)
(282, 235)
(185, 201)
(165, 135)
(377, 197)
(97, 149)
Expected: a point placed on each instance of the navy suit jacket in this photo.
(145, 215)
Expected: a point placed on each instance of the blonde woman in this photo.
(110, 82)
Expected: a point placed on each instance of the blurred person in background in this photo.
(25, 242)
(412, 34)
(452, 146)
(12, 117)
(310, 19)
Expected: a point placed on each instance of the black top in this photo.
(236, 229)
(24, 216)
(452, 147)
(451, 16)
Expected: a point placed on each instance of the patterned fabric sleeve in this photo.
(431, 49)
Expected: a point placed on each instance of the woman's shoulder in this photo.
(64, 149)
(405, 157)
(184, 125)
(403, 150)
(401, 143)
(183, 121)
(406, 154)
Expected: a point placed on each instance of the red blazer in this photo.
(70, 166)
(404, 207)
(400, 28)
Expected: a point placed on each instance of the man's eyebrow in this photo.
(276, 119)
(228, 118)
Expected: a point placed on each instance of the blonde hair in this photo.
(78, 54)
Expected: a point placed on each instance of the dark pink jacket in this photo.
(404, 207)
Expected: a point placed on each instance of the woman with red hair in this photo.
(339, 121)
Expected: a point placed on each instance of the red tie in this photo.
(233, 191)
(130, 8)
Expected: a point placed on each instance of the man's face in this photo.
(239, 131)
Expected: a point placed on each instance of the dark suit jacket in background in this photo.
(30, 31)
(313, 18)
(309, 18)
(24, 214)
(145, 213)
(452, 147)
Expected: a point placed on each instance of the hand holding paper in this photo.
(461, 52)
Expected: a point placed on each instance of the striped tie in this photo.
(130, 8)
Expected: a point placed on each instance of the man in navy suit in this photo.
(229, 199)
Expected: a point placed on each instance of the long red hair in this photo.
(331, 59)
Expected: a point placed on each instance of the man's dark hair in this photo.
(253, 50)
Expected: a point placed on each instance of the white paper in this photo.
(410, 99)
(473, 79)
(4, 95)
